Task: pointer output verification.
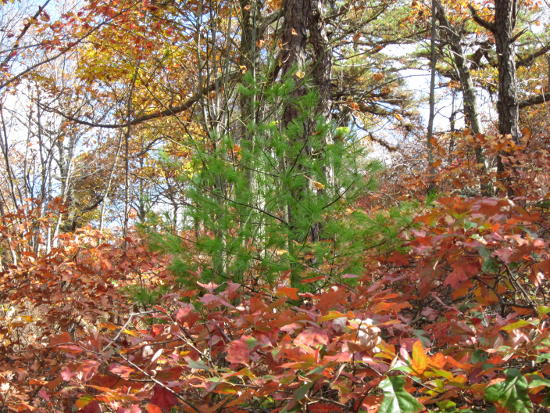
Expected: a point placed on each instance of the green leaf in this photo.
(479, 356)
(301, 392)
(446, 405)
(489, 264)
(515, 325)
(316, 370)
(539, 381)
(396, 398)
(541, 358)
(511, 393)
(197, 364)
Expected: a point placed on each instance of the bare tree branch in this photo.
(23, 31)
(155, 115)
(535, 100)
(483, 23)
(528, 60)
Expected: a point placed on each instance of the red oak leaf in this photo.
(163, 398)
(312, 337)
(92, 407)
(238, 352)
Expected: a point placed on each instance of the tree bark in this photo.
(469, 98)
(431, 118)
(303, 25)
(507, 106)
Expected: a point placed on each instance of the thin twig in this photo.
(159, 383)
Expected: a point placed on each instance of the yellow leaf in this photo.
(299, 74)
(387, 351)
(332, 315)
(419, 361)
(318, 185)
(516, 325)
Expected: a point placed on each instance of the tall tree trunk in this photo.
(431, 118)
(248, 57)
(303, 25)
(246, 139)
(468, 91)
(507, 104)
(321, 76)
(296, 15)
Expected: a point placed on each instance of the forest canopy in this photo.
(274, 206)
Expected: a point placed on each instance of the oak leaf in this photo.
(238, 352)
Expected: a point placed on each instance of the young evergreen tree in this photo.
(274, 181)
(259, 239)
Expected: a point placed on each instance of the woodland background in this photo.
(274, 206)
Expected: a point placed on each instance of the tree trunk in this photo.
(321, 74)
(431, 118)
(468, 91)
(303, 26)
(507, 106)
(296, 15)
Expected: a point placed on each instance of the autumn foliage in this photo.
(191, 221)
(455, 321)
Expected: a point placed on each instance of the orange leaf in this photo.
(289, 292)
(83, 401)
(153, 408)
(108, 326)
(457, 364)
(438, 361)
